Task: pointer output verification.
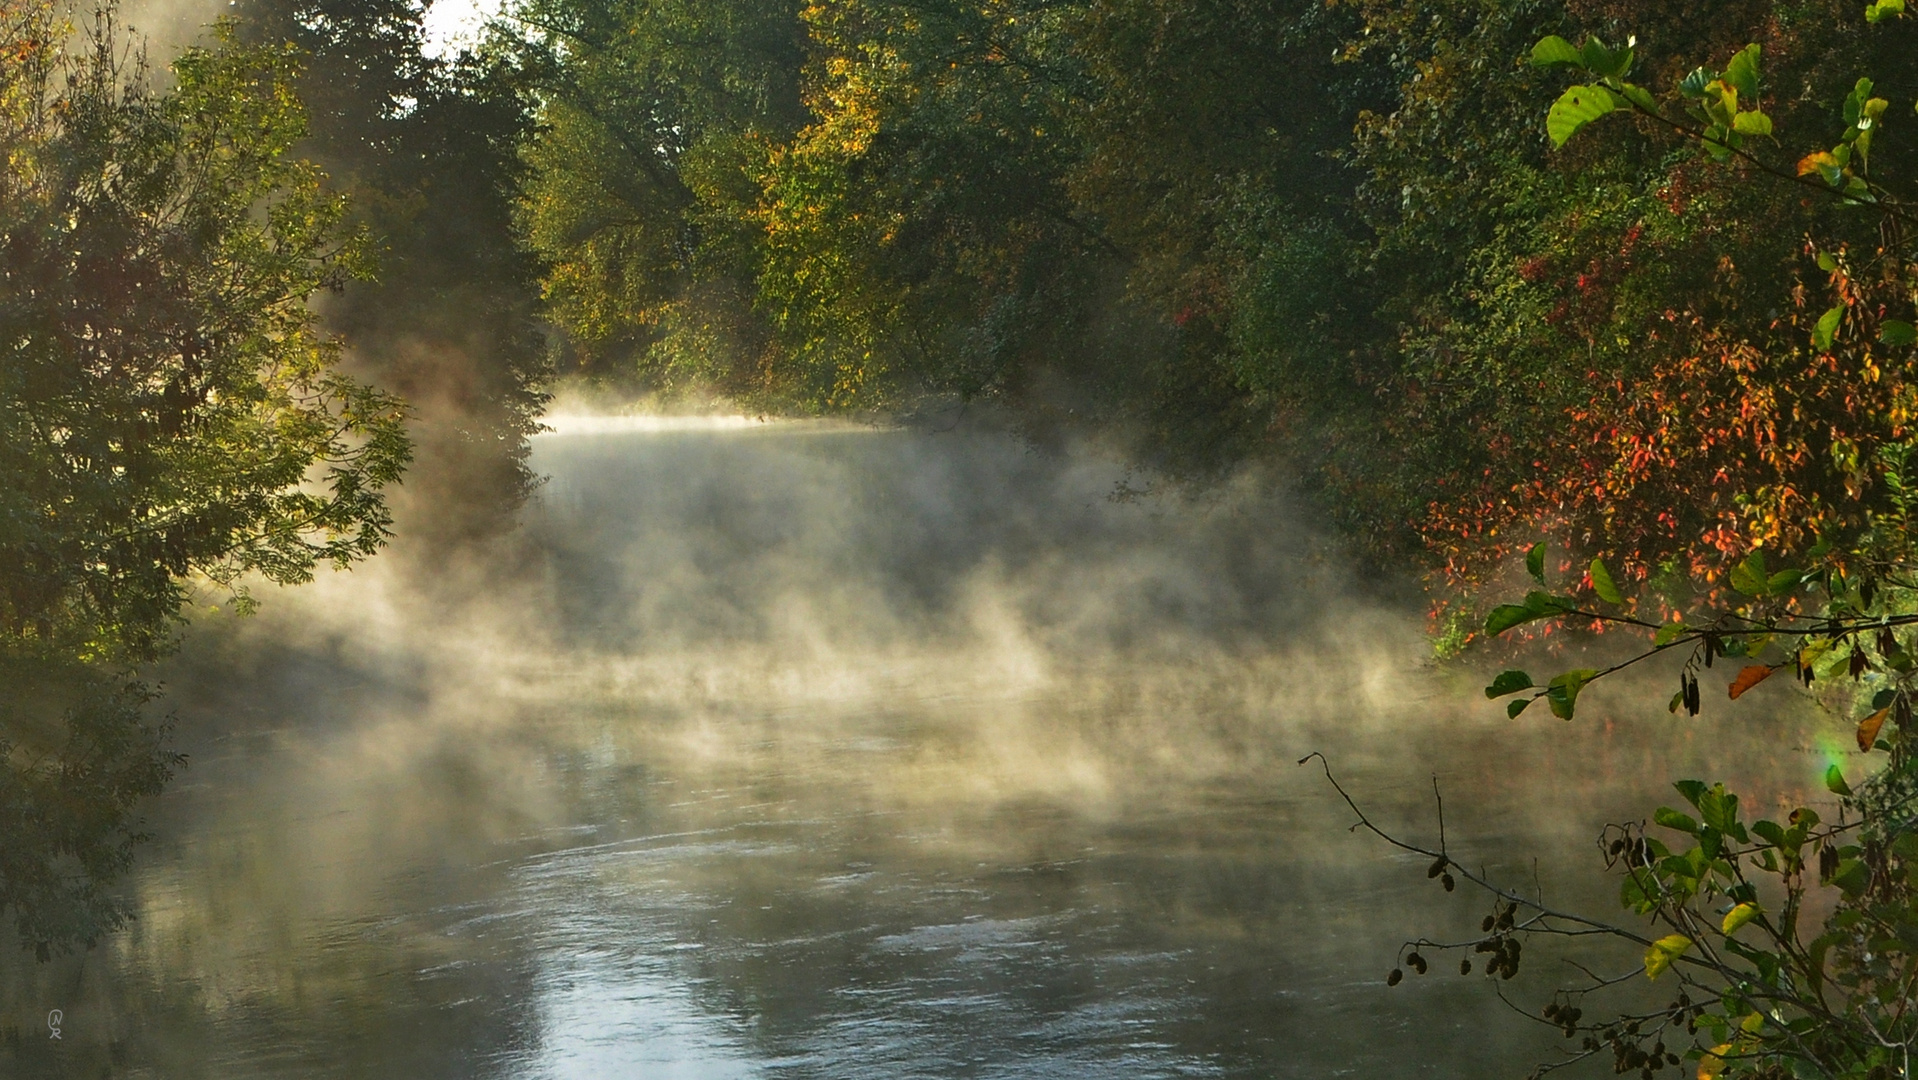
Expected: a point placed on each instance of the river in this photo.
(814, 750)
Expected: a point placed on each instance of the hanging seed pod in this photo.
(1486, 926)
(1887, 642)
(1827, 862)
(1691, 695)
(1417, 962)
(1446, 880)
(1901, 711)
(1859, 661)
(1465, 967)
(1437, 868)
(1551, 1009)
(1395, 977)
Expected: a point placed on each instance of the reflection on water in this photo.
(780, 751)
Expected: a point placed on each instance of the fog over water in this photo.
(806, 749)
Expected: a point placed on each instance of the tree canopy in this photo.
(169, 414)
(1337, 233)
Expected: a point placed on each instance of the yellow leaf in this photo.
(1750, 677)
(1713, 1062)
(1814, 163)
(1868, 729)
(1738, 917)
(1663, 952)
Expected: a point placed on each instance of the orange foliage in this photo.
(1726, 445)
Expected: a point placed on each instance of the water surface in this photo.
(813, 751)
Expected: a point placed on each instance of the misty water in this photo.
(808, 750)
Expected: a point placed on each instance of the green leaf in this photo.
(1784, 581)
(1691, 789)
(1738, 917)
(1742, 73)
(1852, 876)
(1897, 332)
(1749, 577)
(1719, 808)
(1827, 329)
(1508, 682)
(1672, 819)
(1667, 634)
(1506, 616)
(1535, 562)
(1693, 85)
(1603, 61)
(1556, 52)
(1752, 123)
(1638, 96)
(1883, 9)
(1513, 708)
(1855, 101)
(1575, 108)
(1835, 781)
(1771, 832)
(1538, 605)
(1547, 604)
(1603, 584)
(1826, 262)
(1663, 951)
(1562, 693)
(1719, 143)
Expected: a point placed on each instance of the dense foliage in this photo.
(1224, 230)
(901, 207)
(427, 151)
(168, 413)
(1815, 460)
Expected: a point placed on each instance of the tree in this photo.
(640, 191)
(168, 415)
(427, 151)
(1815, 458)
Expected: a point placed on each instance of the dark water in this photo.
(791, 751)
